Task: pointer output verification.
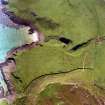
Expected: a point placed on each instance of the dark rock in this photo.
(4, 2)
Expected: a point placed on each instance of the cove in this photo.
(10, 38)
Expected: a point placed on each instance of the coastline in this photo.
(9, 65)
(20, 21)
(25, 47)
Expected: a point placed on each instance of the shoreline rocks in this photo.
(9, 65)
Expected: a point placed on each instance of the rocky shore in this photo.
(22, 22)
(9, 66)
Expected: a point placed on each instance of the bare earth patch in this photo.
(57, 94)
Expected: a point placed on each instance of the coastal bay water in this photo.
(11, 38)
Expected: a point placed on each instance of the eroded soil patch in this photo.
(58, 94)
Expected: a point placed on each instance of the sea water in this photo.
(11, 38)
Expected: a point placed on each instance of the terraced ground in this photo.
(80, 62)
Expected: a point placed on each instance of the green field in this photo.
(78, 20)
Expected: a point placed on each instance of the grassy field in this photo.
(78, 20)
(49, 59)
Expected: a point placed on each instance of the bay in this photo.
(10, 38)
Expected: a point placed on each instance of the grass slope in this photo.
(79, 20)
